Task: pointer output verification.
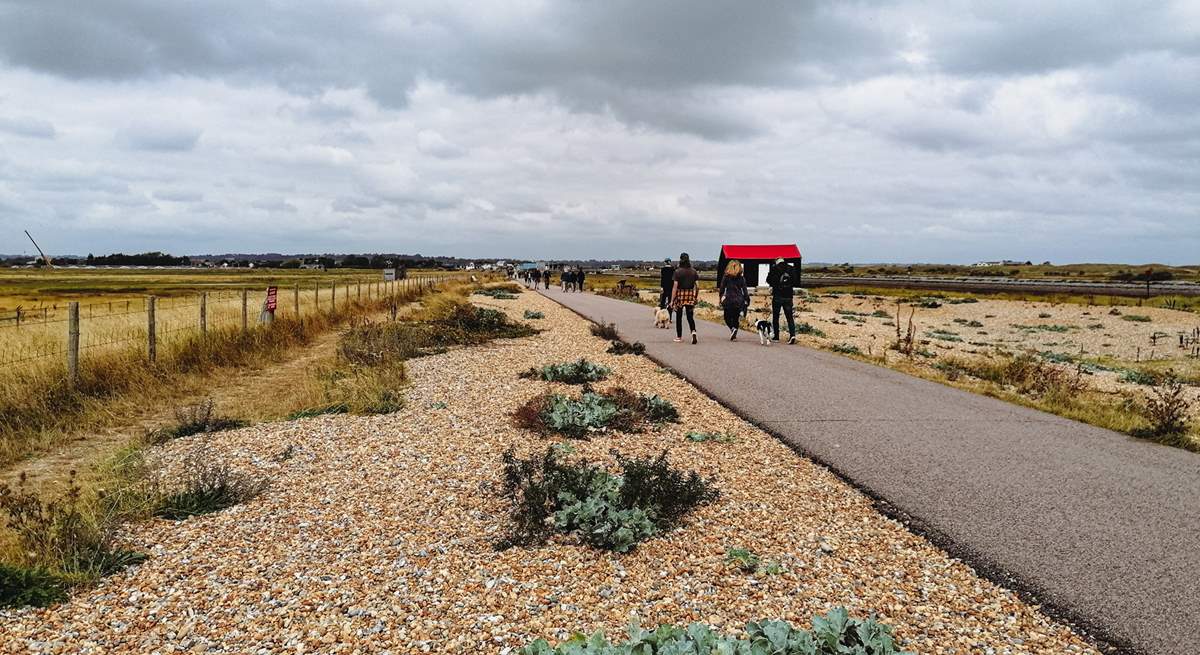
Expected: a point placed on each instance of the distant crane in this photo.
(45, 259)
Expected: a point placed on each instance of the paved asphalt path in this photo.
(1101, 527)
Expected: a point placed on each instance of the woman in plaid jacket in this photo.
(684, 295)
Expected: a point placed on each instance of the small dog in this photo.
(662, 318)
(764, 331)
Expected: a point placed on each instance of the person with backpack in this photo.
(579, 278)
(734, 297)
(684, 293)
(537, 278)
(782, 280)
(666, 278)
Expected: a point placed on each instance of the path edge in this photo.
(1100, 638)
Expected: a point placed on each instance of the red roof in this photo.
(785, 250)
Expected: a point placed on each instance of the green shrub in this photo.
(805, 328)
(701, 437)
(22, 586)
(310, 412)
(623, 348)
(499, 293)
(612, 512)
(206, 487)
(454, 323)
(846, 349)
(1136, 318)
(943, 335)
(879, 313)
(196, 419)
(748, 562)
(848, 312)
(659, 410)
(617, 409)
(835, 633)
(577, 372)
(1139, 377)
(531, 315)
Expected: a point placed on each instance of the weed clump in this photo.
(22, 586)
(846, 349)
(748, 562)
(806, 328)
(606, 331)
(1168, 411)
(200, 418)
(612, 512)
(832, 634)
(532, 315)
(63, 538)
(1136, 318)
(625, 348)
(578, 372)
(205, 487)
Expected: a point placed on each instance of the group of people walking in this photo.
(680, 292)
(572, 279)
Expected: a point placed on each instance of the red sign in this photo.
(272, 293)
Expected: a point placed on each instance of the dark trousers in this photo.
(691, 318)
(733, 316)
(664, 298)
(786, 305)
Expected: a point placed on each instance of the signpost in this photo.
(269, 305)
(389, 275)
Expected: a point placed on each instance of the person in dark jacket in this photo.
(579, 276)
(666, 278)
(735, 297)
(782, 279)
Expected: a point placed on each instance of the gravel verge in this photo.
(376, 536)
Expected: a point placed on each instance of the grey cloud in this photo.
(178, 196)
(26, 126)
(159, 138)
(275, 205)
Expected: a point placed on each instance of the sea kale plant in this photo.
(577, 372)
(835, 633)
(605, 510)
(615, 409)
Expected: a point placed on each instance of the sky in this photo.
(1066, 131)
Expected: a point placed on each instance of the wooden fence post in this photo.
(73, 345)
(244, 315)
(333, 298)
(296, 300)
(359, 283)
(151, 333)
(203, 313)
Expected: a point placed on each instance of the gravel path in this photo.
(375, 537)
(1100, 524)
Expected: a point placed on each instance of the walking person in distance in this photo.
(782, 279)
(684, 293)
(579, 276)
(735, 297)
(666, 276)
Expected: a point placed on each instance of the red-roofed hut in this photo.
(757, 260)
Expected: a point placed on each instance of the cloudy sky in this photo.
(864, 131)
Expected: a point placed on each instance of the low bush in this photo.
(1136, 318)
(1139, 377)
(606, 331)
(504, 292)
(879, 313)
(22, 586)
(1168, 411)
(835, 633)
(701, 437)
(615, 409)
(845, 349)
(205, 487)
(604, 510)
(805, 328)
(532, 315)
(624, 348)
(63, 536)
(310, 412)
(196, 419)
(577, 372)
(450, 323)
(748, 562)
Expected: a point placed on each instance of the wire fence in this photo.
(58, 334)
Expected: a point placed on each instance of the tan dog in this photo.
(662, 318)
